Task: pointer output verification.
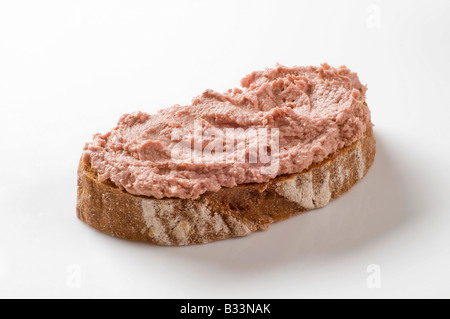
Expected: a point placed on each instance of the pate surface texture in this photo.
(317, 110)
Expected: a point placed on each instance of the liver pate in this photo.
(316, 110)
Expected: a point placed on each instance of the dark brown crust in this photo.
(230, 212)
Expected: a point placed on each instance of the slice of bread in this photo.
(230, 212)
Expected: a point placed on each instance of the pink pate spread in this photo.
(317, 111)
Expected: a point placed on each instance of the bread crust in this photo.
(230, 212)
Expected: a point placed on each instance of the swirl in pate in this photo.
(315, 111)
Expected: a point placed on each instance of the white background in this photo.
(70, 69)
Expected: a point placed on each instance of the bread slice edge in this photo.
(230, 212)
